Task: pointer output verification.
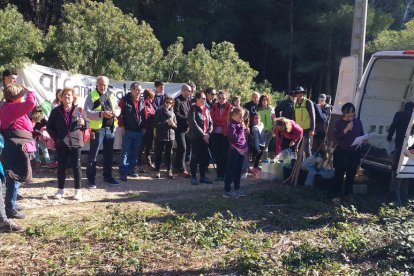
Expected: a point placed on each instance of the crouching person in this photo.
(65, 126)
(165, 125)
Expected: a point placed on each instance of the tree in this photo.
(20, 41)
(394, 40)
(173, 63)
(97, 38)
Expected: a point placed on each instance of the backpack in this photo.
(320, 115)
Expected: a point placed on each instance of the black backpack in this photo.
(320, 115)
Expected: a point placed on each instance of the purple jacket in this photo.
(344, 141)
(236, 137)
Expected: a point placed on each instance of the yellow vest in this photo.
(97, 124)
(302, 115)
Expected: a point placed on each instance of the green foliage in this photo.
(20, 41)
(97, 38)
(172, 65)
(305, 258)
(394, 39)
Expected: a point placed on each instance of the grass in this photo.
(275, 230)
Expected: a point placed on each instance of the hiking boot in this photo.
(78, 194)
(59, 194)
(205, 180)
(240, 193)
(170, 174)
(194, 181)
(10, 213)
(8, 226)
(123, 178)
(112, 181)
(230, 195)
(150, 164)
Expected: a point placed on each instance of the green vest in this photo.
(97, 124)
(302, 115)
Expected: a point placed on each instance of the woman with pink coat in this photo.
(287, 129)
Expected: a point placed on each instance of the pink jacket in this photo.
(14, 115)
(293, 135)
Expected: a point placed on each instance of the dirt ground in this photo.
(40, 193)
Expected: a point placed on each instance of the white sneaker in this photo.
(59, 194)
(244, 175)
(78, 194)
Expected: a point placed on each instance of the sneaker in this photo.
(185, 174)
(10, 213)
(244, 175)
(205, 180)
(194, 181)
(255, 173)
(170, 174)
(78, 194)
(240, 193)
(132, 174)
(230, 195)
(123, 178)
(91, 186)
(59, 194)
(157, 175)
(9, 226)
(111, 181)
(219, 179)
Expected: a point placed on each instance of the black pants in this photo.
(345, 162)
(180, 152)
(233, 171)
(220, 144)
(199, 157)
(257, 156)
(159, 148)
(146, 145)
(64, 154)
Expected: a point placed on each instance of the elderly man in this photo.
(132, 120)
(305, 117)
(101, 109)
(181, 109)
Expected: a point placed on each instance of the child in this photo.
(238, 149)
(259, 139)
(246, 120)
(39, 135)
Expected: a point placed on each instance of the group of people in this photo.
(207, 127)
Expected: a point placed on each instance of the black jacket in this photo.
(68, 135)
(285, 109)
(196, 123)
(163, 131)
(130, 120)
(399, 127)
(158, 101)
(181, 109)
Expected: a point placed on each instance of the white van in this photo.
(386, 85)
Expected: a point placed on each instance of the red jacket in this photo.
(293, 135)
(220, 118)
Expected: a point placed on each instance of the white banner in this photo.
(45, 81)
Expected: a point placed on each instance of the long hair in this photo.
(261, 99)
(284, 122)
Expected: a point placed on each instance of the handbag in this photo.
(86, 131)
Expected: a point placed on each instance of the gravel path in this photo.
(40, 192)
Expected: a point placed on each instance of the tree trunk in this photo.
(328, 64)
(408, 4)
(291, 47)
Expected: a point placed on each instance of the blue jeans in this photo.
(233, 170)
(12, 189)
(40, 146)
(131, 144)
(106, 137)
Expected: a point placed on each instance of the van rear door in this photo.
(347, 83)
